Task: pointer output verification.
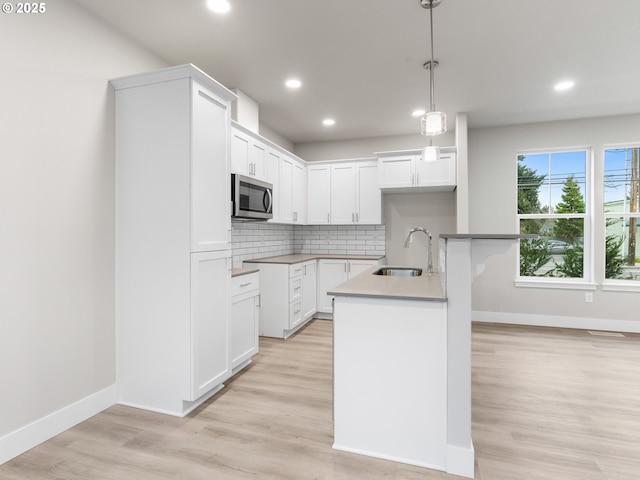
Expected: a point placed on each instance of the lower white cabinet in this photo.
(333, 272)
(245, 313)
(285, 296)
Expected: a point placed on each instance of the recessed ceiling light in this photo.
(419, 112)
(293, 83)
(219, 6)
(565, 85)
(328, 122)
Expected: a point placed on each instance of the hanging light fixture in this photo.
(432, 122)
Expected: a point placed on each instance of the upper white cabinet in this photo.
(319, 194)
(173, 243)
(255, 156)
(343, 193)
(292, 191)
(405, 171)
(248, 155)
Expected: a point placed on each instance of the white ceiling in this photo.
(361, 61)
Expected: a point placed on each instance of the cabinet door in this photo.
(331, 273)
(343, 193)
(309, 284)
(210, 184)
(368, 195)
(286, 191)
(299, 193)
(396, 171)
(210, 355)
(258, 160)
(272, 176)
(356, 267)
(437, 174)
(244, 327)
(240, 144)
(318, 194)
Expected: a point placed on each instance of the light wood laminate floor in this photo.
(547, 404)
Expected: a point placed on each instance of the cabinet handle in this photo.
(413, 178)
(259, 297)
(345, 267)
(357, 218)
(328, 218)
(418, 178)
(296, 312)
(245, 284)
(353, 218)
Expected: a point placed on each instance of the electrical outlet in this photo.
(588, 297)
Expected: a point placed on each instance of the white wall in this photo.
(57, 208)
(493, 203)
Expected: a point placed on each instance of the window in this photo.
(554, 203)
(621, 184)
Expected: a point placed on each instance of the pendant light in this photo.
(433, 122)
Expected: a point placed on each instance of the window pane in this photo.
(621, 180)
(567, 180)
(552, 182)
(621, 251)
(559, 251)
(533, 188)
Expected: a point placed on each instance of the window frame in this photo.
(587, 281)
(612, 284)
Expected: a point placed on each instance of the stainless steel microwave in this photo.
(252, 199)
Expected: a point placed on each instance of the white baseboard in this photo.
(41, 430)
(605, 324)
(460, 461)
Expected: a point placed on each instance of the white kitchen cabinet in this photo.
(272, 175)
(319, 194)
(283, 297)
(245, 314)
(333, 272)
(211, 362)
(286, 190)
(405, 171)
(248, 154)
(299, 193)
(309, 293)
(173, 250)
(292, 191)
(343, 193)
(368, 194)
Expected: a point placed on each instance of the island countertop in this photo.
(423, 287)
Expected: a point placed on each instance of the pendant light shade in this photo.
(434, 123)
(430, 154)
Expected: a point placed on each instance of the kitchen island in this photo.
(402, 359)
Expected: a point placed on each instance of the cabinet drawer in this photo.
(296, 270)
(244, 283)
(295, 314)
(295, 289)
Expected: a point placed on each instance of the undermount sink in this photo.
(399, 271)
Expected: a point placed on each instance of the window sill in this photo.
(622, 286)
(555, 284)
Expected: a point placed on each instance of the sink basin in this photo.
(399, 271)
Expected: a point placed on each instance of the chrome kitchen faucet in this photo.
(429, 255)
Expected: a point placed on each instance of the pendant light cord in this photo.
(433, 65)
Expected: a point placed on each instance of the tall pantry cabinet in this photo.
(173, 238)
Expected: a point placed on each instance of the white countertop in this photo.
(424, 287)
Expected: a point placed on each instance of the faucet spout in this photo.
(429, 246)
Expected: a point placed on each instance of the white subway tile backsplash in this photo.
(254, 240)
